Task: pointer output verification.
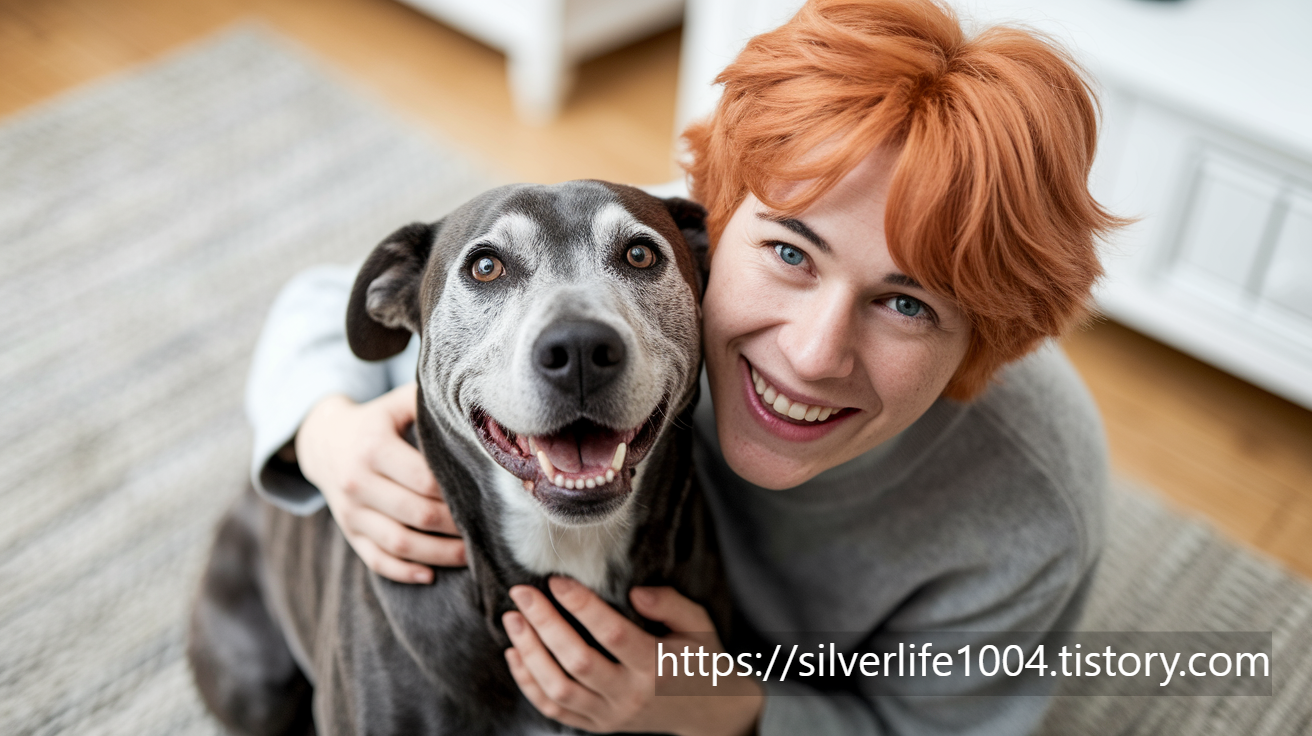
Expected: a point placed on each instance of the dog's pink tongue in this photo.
(575, 452)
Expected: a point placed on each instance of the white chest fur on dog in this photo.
(595, 555)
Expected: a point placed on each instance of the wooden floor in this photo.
(1207, 441)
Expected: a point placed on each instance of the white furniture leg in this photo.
(540, 72)
(544, 39)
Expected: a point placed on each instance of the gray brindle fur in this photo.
(292, 633)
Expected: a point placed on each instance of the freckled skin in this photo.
(828, 329)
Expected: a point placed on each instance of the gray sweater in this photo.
(980, 517)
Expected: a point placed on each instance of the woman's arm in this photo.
(327, 430)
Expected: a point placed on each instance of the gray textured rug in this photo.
(146, 223)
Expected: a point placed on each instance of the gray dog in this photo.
(560, 354)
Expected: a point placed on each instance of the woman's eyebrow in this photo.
(798, 227)
(901, 279)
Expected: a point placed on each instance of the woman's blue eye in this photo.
(908, 306)
(790, 255)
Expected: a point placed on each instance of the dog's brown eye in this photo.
(640, 256)
(487, 268)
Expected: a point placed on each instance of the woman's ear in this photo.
(690, 218)
(384, 306)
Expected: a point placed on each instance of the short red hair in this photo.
(989, 202)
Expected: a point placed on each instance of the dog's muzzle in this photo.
(584, 469)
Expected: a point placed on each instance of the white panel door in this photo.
(1287, 284)
(1223, 229)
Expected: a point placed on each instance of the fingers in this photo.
(398, 502)
(620, 636)
(396, 459)
(671, 608)
(559, 691)
(535, 695)
(399, 541)
(401, 404)
(388, 566)
(577, 657)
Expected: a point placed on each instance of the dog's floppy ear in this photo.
(690, 218)
(384, 306)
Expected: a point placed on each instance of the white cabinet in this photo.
(1227, 220)
(1286, 287)
(1221, 262)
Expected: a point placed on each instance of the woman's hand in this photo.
(378, 487)
(595, 694)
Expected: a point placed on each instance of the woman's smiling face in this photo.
(811, 310)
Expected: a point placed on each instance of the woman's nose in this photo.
(818, 341)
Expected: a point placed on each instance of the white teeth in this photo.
(786, 406)
(528, 486)
(545, 462)
(572, 483)
(549, 471)
(781, 403)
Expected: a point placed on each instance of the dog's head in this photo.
(560, 330)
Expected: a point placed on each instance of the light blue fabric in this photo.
(301, 357)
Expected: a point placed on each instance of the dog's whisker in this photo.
(552, 541)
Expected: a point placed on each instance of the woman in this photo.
(900, 219)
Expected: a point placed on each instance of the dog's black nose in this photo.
(579, 357)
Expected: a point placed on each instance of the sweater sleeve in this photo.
(302, 356)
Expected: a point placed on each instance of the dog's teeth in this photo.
(547, 469)
(824, 414)
(798, 410)
(532, 446)
(569, 483)
(610, 475)
(617, 462)
(528, 486)
(590, 483)
(600, 480)
(769, 394)
(560, 480)
(812, 413)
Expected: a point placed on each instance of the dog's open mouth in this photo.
(582, 456)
